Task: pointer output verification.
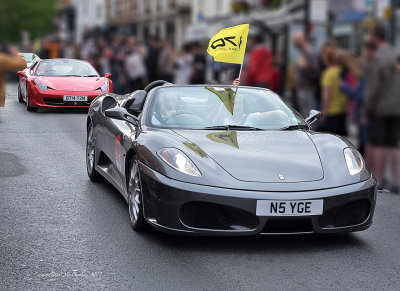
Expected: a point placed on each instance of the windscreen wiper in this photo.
(90, 76)
(294, 127)
(231, 127)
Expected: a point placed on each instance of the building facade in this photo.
(165, 19)
(89, 14)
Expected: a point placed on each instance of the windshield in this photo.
(62, 68)
(217, 107)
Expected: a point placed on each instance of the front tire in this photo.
(20, 100)
(135, 198)
(28, 107)
(91, 155)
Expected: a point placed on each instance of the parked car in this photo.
(66, 83)
(206, 160)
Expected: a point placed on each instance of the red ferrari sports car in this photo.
(65, 83)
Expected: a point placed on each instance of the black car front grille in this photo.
(214, 216)
(288, 225)
(352, 213)
(204, 215)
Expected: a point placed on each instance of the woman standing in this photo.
(334, 102)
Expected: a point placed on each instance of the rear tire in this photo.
(28, 107)
(20, 100)
(91, 156)
(135, 198)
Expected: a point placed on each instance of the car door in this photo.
(117, 141)
(24, 81)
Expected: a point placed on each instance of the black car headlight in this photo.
(179, 161)
(354, 160)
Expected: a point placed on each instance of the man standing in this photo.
(10, 61)
(152, 59)
(199, 65)
(307, 75)
(166, 62)
(259, 69)
(382, 109)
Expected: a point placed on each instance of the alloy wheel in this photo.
(135, 198)
(91, 155)
(90, 150)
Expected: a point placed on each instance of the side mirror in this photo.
(34, 62)
(314, 115)
(121, 114)
(136, 102)
(22, 73)
(107, 75)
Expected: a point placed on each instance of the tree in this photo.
(37, 17)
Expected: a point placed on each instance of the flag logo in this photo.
(229, 44)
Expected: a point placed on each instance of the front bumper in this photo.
(54, 99)
(177, 207)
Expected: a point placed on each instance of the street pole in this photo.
(331, 19)
(307, 18)
(393, 22)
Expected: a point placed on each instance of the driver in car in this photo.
(42, 70)
(166, 108)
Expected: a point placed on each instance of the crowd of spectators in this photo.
(356, 90)
(133, 65)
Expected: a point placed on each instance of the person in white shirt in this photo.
(254, 119)
(184, 67)
(166, 108)
(134, 66)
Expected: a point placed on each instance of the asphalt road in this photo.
(59, 231)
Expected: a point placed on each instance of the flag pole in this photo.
(240, 72)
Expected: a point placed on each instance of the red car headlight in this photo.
(104, 88)
(40, 85)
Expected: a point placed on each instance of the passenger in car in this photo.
(245, 115)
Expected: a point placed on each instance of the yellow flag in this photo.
(229, 44)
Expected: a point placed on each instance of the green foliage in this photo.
(35, 16)
(275, 3)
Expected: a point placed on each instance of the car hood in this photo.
(260, 156)
(72, 83)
